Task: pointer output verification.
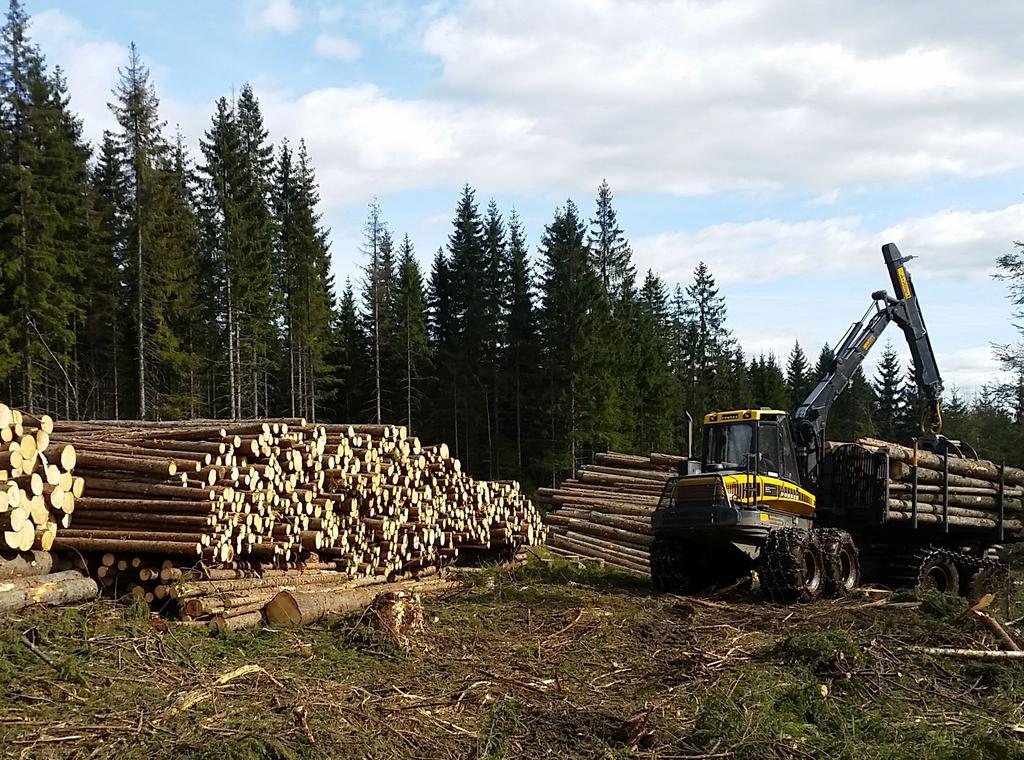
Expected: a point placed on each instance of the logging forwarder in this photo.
(762, 495)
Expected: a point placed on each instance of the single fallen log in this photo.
(292, 608)
(50, 590)
(33, 563)
(971, 654)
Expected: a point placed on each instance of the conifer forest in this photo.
(146, 277)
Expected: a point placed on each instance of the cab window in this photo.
(789, 469)
(768, 459)
(729, 445)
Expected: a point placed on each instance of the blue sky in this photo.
(782, 142)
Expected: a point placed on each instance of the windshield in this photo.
(729, 445)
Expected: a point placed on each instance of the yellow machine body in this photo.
(775, 487)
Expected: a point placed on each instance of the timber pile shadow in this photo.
(546, 660)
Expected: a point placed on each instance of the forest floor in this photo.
(548, 660)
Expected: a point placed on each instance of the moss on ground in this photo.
(547, 660)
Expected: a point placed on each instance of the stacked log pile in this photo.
(970, 499)
(244, 509)
(38, 487)
(605, 512)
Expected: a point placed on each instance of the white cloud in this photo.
(337, 47)
(701, 97)
(276, 15)
(89, 63)
(952, 244)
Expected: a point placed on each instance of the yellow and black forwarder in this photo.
(754, 501)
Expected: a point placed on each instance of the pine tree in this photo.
(889, 395)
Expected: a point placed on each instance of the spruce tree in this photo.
(411, 330)
(142, 148)
(519, 344)
(469, 298)
(101, 332)
(43, 222)
(653, 378)
(798, 377)
(577, 378)
(889, 395)
(378, 276)
(609, 249)
(221, 240)
(253, 261)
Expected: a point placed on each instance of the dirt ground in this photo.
(549, 660)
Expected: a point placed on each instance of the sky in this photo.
(782, 142)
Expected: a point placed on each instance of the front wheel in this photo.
(792, 565)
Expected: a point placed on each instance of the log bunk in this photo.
(210, 520)
(933, 489)
(605, 512)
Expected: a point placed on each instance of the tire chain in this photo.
(906, 567)
(782, 565)
(829, 540)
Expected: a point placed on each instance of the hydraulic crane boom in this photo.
(810, 417)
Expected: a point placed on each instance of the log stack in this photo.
(605, 512)
(964, 491)
(252, 503)
(38, 487)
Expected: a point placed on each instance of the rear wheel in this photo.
(842, 562)
(792, 565)
(938, 571)
(981, 578)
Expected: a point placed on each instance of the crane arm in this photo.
(810, 417)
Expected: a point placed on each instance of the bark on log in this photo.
(48, 590)
(33, 563)
(973, 468)
(292, 608)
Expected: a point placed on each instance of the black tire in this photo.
(678, 568)
(792, 566)
(938, 571)
(667, 566)
(842, 562)
(986, 579)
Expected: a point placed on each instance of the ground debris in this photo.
(518, 663)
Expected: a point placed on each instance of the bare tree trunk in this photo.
(26, 266)
(139, 317)
(231, 351)
(519, 424)
(312, 390)
(291, 364)
(408, 370)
